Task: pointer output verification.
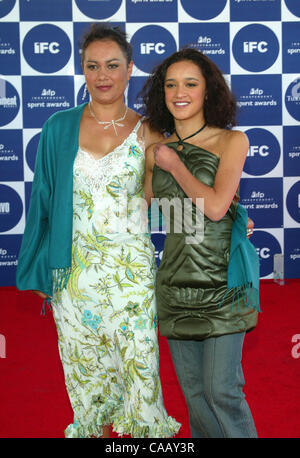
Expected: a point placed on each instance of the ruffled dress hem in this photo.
(135, 430)
(122, 427)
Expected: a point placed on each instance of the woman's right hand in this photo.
(250, 227)
(39, 293)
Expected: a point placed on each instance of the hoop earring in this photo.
(84, 92)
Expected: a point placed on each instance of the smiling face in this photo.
(185, 90)
(106, 71)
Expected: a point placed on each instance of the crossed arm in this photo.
(217, 198)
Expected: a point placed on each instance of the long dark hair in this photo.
(219, 105)
(99, 31)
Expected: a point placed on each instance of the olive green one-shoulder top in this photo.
(191, 287)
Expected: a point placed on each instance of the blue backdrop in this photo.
(256, 43)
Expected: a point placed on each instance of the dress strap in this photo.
(141, 135)
(137, 126)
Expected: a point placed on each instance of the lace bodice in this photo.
(111, 189)
(98, 173)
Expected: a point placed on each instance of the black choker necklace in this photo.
(181, 140)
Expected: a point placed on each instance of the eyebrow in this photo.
(108, 61)
(188, 79)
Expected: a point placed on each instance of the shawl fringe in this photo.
(245, 295)
(243, 268)
(60, 278)
(47, 301)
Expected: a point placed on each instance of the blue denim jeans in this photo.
(211, 377)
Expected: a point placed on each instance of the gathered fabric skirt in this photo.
(108, 341)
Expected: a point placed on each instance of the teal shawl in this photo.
(243, 268)
(46, 249)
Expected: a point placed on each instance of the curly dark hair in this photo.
(219, 106)
(103, 31)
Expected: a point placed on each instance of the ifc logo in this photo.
(158, 240)
(151, 44)
(203, 10)
(31, 151)
(6, 6)
(98, 9)
(263, 154)
(293, 6)
(47, 48)
(255, 47)
(266, 246)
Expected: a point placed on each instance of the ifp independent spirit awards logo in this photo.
(43, 96)
(211, 39)
(45, 10)
(263, 199)
(11, 155)
(255, 10)
(9, 251)
(258, 98)
(139, 10)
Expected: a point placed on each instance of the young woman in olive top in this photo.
(204, 318)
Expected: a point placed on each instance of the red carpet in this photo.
(34, 402)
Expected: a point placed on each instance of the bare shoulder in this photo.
(236, 138)
(151, 137)
(149, 156)
(234, 141)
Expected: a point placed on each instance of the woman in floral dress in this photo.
(104, 308)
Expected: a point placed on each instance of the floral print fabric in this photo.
(106, 317)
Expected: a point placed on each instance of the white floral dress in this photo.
(106, 317)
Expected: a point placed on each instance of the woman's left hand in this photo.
(250, 226)
(165, 157)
